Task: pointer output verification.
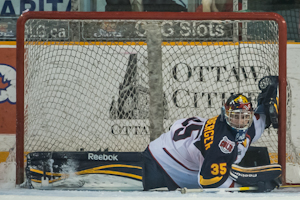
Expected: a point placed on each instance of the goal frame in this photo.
(282, 27)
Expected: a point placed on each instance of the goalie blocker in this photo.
(131, 171)
(266, 178)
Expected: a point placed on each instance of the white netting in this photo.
(86, 83)
(8, 171)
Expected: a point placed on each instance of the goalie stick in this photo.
(239, 189)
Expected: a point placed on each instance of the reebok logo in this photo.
(92, 156)
(245, 175)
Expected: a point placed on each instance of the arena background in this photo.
(10, 10)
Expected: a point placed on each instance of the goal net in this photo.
(109, 81)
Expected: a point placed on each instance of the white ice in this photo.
(29, 194)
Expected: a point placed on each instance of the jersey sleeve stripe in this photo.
(211, 181)
(169, 154)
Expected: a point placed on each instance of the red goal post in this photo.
(22, 61)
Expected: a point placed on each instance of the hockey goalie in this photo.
(195, 153)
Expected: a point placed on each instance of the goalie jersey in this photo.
(199, 152)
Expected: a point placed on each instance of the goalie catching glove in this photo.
(267, 100)
(265, 178)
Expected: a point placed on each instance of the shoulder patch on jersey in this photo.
(226, 145)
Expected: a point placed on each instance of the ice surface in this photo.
(28, 194)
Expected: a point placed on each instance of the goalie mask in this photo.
(239, 115)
